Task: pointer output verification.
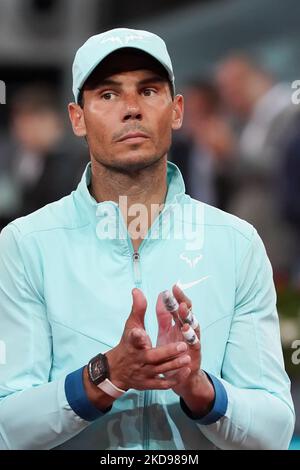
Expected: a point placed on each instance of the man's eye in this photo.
(148, 91)
(107, 96)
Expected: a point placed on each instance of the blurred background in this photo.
(239, 148)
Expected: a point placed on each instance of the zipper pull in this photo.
(136, 267)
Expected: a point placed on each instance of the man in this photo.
(261, 106)
(263, 109)
(71, 273)
(205, 151)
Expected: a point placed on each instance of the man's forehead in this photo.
(125, 60)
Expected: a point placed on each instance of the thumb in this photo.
(138, 310)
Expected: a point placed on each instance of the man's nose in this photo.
(132, 109)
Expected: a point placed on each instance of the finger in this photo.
(170, 301)
(190, 336)
(182, 374)
(160, 383)
(183, 312)
(164, 318)
(171, 306)
(160, 354)
(180, 296)
(191, 319)
(168, 366)
(187, 316)
(138, 310)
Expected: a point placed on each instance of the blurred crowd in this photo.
(239, 149)
(39, 160)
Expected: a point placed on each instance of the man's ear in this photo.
(77, 119)
(178, 107)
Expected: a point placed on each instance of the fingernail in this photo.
(181, 347)
(185, 360)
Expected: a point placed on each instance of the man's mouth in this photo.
(133, 137)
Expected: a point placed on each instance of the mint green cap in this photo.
(97, 47)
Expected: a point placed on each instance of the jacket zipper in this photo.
(138, 282)
(147, 400)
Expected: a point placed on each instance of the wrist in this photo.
(101, 386)
(199, 394)
(99, 398)
(115, 375)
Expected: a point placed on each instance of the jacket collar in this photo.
(89, 207)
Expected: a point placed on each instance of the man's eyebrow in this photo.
(108, 82)
(152, 79)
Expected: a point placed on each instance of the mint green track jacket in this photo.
(66, 276)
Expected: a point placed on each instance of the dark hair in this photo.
(36, 97)
(80, 99)
(208, 89)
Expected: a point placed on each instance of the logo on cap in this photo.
(126, 39)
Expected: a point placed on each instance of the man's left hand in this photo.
(196, 390)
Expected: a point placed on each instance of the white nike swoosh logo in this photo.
(191, 284)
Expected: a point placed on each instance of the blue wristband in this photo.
(78, 399)
(219, 406)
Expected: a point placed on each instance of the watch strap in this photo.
(108, 387)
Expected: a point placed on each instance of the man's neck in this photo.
(146, 187)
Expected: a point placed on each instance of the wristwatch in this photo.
(98, 372)
(98, 369)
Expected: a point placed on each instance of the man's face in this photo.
(37, 130)
(234, 82)
(128, 113)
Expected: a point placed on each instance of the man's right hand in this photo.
(134, 363)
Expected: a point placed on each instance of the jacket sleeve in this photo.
(34, 413)
(260, 413)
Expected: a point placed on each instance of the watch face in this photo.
(98, 369)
